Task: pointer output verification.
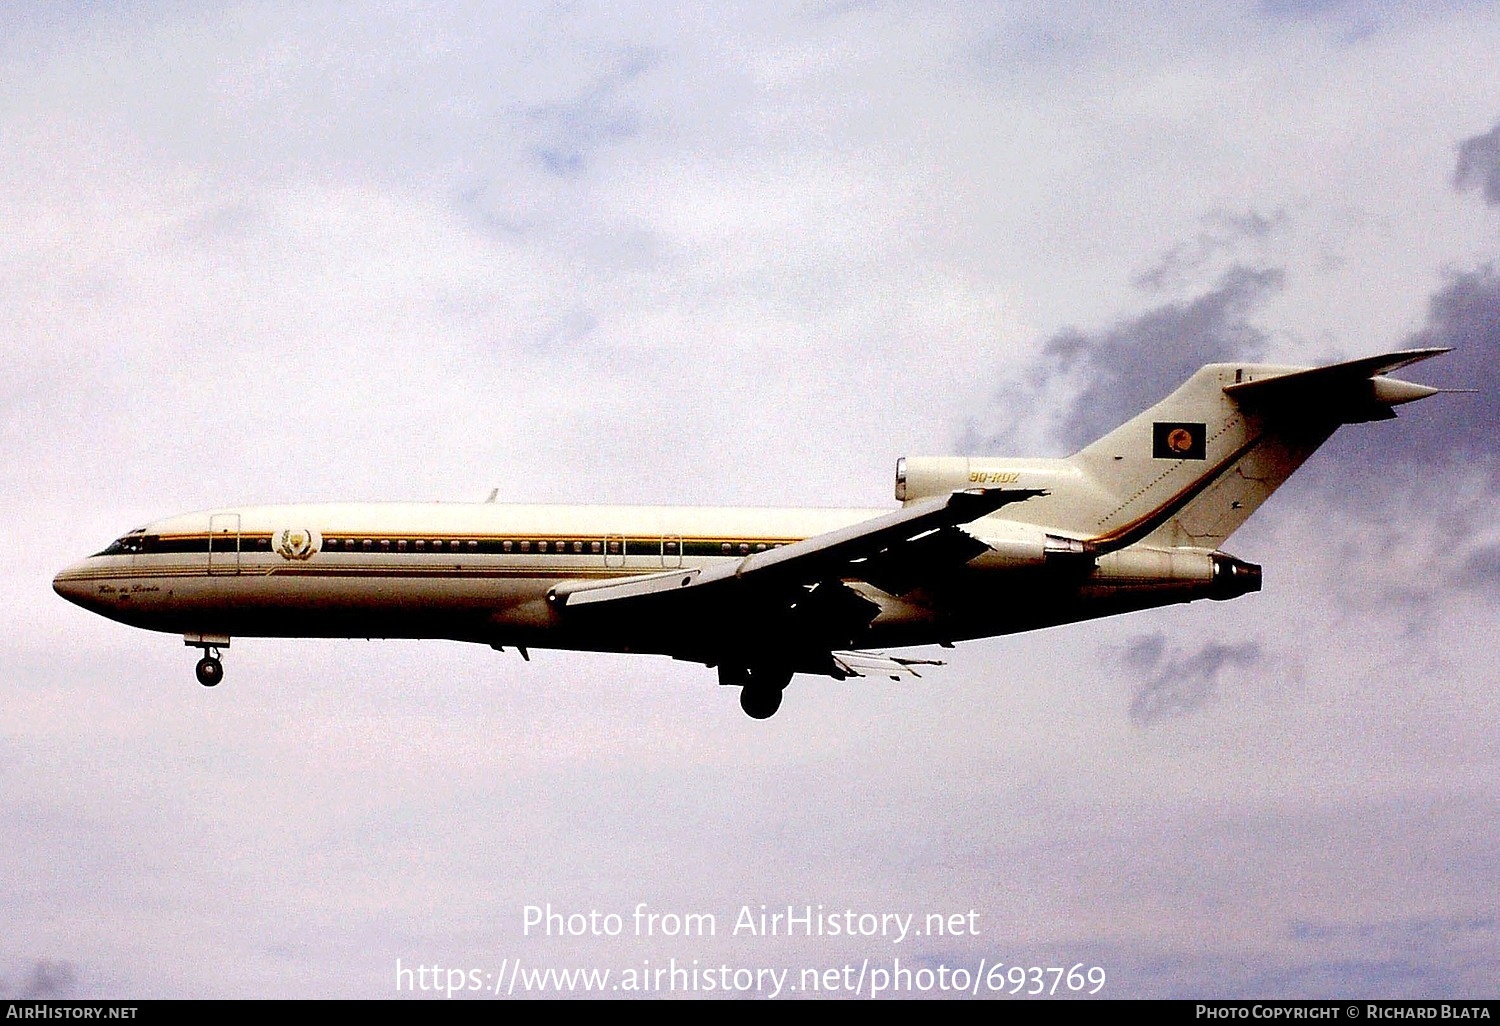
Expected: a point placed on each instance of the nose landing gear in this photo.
(209, 669)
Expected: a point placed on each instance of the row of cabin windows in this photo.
(526, 546)
(151, 543)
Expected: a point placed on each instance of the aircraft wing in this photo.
(801, 585)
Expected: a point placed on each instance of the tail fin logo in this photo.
(1176, 440)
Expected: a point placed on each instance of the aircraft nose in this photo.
(70, 585)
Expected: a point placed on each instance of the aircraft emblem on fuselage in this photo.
(296, 544)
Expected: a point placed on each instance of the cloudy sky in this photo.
(745, 254)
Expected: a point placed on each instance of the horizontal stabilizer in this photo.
(878, 664)
(1353, 391)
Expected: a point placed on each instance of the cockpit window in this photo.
(126, 545)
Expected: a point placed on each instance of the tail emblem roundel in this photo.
(1178, 440)
(294, 543)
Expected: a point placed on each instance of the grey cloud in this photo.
(1401, 933)
(1465, 316)
(1031, 38)
(560, 331)
(1416, 956)
(1352, 19)
(1445, 431)
(1482, 569)
(1440, 958)
(45, 980)
(1221, 233)
(1133, 364)
(1143, 653)
(1302, 8)
(574, 131)
(1409, 977)
(1178, 685)
(840, 8)
(1479, 165)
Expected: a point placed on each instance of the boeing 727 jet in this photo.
(978, 547)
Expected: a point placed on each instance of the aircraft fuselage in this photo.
(483, 573)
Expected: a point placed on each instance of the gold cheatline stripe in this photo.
(1129, 534)
(510, 535)
(367, 571)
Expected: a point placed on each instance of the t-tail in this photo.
(1190, 470)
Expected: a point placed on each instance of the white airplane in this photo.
(979, 547)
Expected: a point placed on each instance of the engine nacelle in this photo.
(1214, 575)
(1233, 577)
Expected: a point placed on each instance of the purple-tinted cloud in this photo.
(1457, 432)
(1177, 685)
(1134, 363)
(44, 981)
(1479, 165)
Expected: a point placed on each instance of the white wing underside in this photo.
(878, 664)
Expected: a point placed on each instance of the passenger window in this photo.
(419, 544)
(526, 546)
(401, 546)
(578, 546)
(541, 546)
(727, 548)
(367, 545)
(505, 546)
(473, 546)
(596, 547)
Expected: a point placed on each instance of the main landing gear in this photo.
(760, 688)
(209, 670)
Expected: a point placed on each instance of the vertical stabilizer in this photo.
(1191, 469)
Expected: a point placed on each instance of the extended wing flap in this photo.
(878, 664)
